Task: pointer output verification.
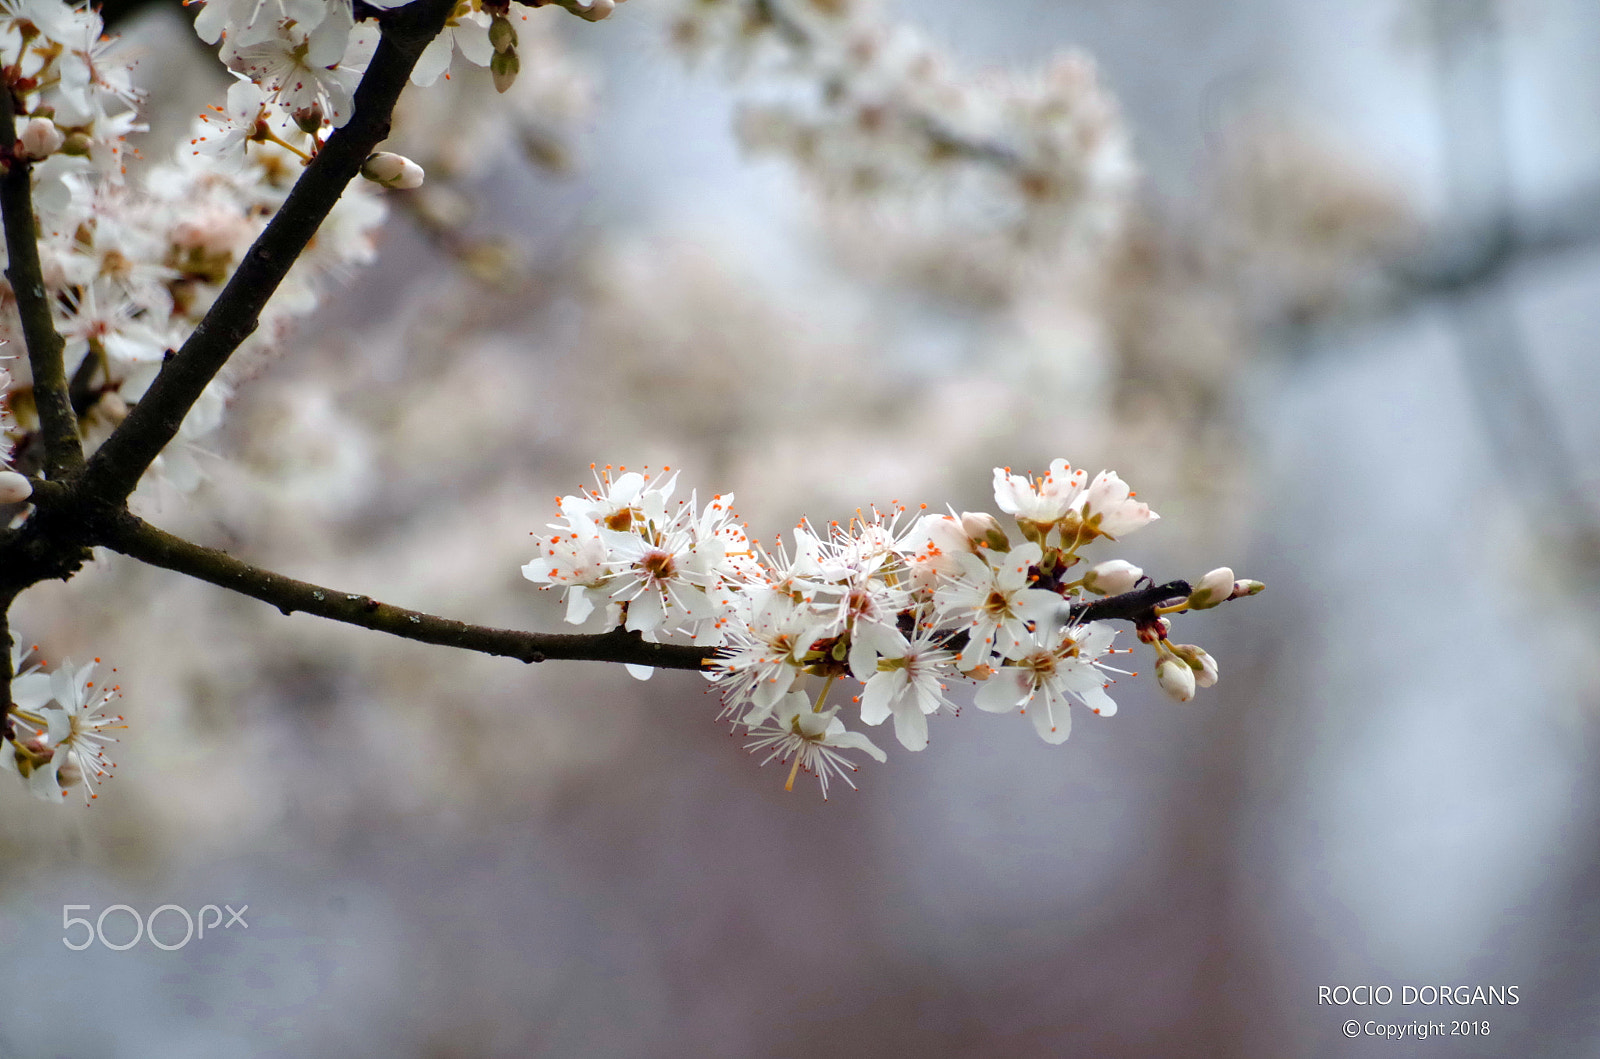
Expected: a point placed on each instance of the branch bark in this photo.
(57, 421)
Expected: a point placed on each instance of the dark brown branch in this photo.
(57, 421)
(137, 539)
(1137, 606)
(115, 469)
(5, 673)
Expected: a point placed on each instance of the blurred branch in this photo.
(115, 469)
(1517, 416)
(941, 136)
(1463, 262)
(57, 421)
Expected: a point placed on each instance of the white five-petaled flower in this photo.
(1107, 509)
(1002, 606)
(1042, 502)
(60, 746)
(228, 129)
(663, 573)
(305, 67)
(908, 687)
(767, 655)
(467, 30)
(816, 741)
(576, 560)
(622, 503)
(1042, 674)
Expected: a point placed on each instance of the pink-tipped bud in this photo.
(14, 488)
(1246, 587)
(40, 138)
(1214, 588)
(1112, 578)
(392, 171)
(1176, 678)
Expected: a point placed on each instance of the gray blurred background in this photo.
(1345, 344)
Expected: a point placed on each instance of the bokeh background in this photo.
(1339, 330)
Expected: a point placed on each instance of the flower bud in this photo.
(503, 68)
(392, 170)
(78, 144)
(69, 774)
(1246, 587)
(1204, 666)
(309, 119)
(1176, 678)
(1214, 588)
(502, 34)
(1111, 578)
(983, 528)
(39, 138)
(14, 488)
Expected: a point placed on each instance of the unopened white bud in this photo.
(982, 527)
(14, 488)
(1214, 588)
(392, 170)
(1176, 678)
(1204, 666)
(40, 138)
(69, 774)
(1113, 577)
(1246, 587)
(594, 11)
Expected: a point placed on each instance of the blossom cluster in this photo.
(55, 737)
(306, 56)
(866, 107)
(902, 604)
(134, 257)
(133, 260)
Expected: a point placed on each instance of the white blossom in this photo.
(815, 741)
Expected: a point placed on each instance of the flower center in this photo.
(659, 566)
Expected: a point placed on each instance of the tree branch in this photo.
(137, 539)
(57, 421)
(5, 673)
(1136, 606)
(114, 470)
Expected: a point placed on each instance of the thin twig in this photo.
(57, 421)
